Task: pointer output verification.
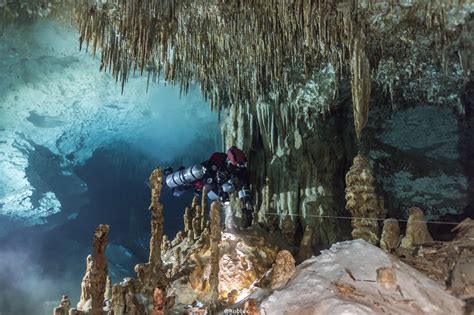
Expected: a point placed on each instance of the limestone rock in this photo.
(361, 83)
(94, 282)
(232, 297)
(306, 246)
(152, 275)
(250, 307)
(179, 237)
(64, 306)
(386, 278)
(450, 263)
(118, 299)
(417, 229)
(390, 235)
(287, 228)
(132, 306)
(187, 217)
(340, 281)
(165, 244)
(215, 255)
(158, 303)
(362, 201)
(244, 258)
(108, 289)
(283, 269)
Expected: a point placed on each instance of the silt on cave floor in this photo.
(356, 118)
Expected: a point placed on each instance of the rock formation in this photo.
(386, 278)
(339, 281)
(151, 275)
(283, 269)
(306, 245)
(449, 263)
(251, 307)
(158, 302)
(360, 69)
(64, 306)
(287, 228)
(390, 239)
(417, 229)
(94, 282)
(362, 201)
(287, 103)
(215, 254)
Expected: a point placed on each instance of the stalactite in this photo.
(215, 255)
(361, 84)
(234, 61)
(362, 201)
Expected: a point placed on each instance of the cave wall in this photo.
(298, 155)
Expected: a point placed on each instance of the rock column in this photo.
(151, 274)
(215, 255)
(362, 201)
(94, 282)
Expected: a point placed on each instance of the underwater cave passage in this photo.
(74, 153)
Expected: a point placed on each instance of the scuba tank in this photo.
(185, 176)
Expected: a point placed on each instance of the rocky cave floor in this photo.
(261, 272)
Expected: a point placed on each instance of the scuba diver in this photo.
(221, 174)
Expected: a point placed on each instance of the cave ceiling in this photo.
(240, 52)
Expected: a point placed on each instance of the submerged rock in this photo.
(354, 277)
(362, 201)
(417, 229)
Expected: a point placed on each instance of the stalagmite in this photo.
(215, 254)
(360, 69)
(417, 229)
(118, 299)
(187, 217)
(287, 228)
(362, 201)
(178, 238)
(306, 246)
(390, 235)
(108, 289)
(165, 243)
(283, 269)
(64, 306)
(132, 306)
(94, 282)
(158, 303)
(151, 275)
